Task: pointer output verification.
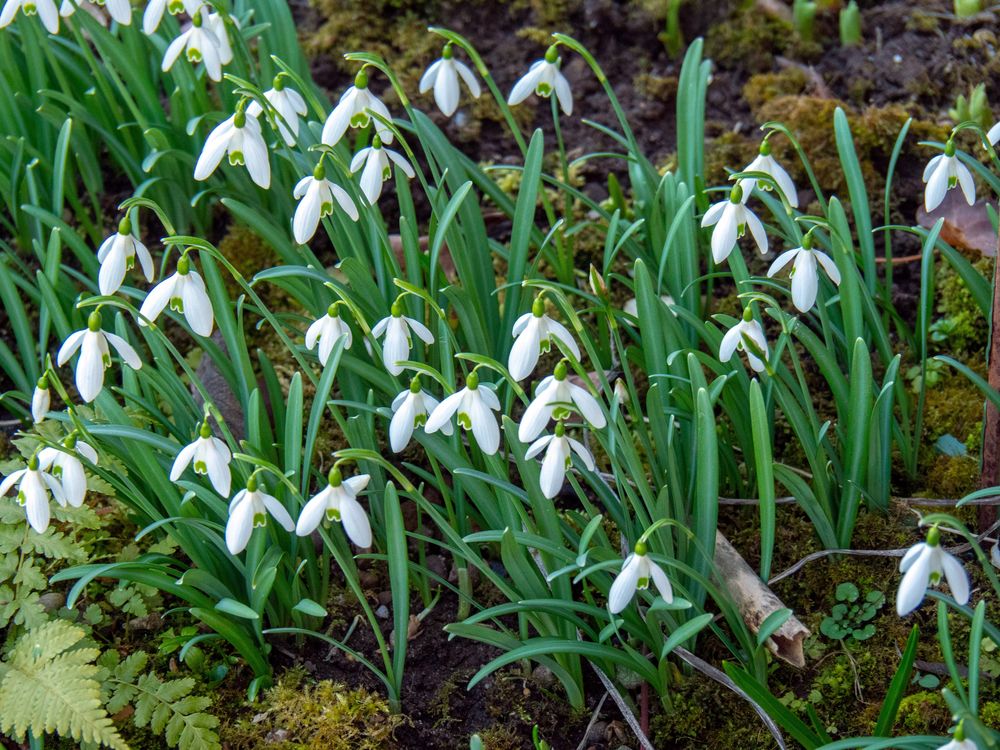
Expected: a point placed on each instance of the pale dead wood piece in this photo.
(756, 602)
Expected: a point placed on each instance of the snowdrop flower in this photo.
(41, 400)
(958, 741)
(240, 137)
(553, 399)
(472, 404)
(631, 306)
(994, 134)
(768, 165)
(217, 25)
(923, 565)
(442, 76)
(355, 110)
(185, 293)
(33, 487)
(288, 103)
(636, 575)
(44, 9)
(805, 273)
(533, 334)
(68, 7)
(153, 14)
(409, 411)
(95, 356)
(944, 172)
(338, 502)
(377, 168)
(543, 78)
(735, 340)
(248, 510)
(731, 219)
(117, 255)
(327, 331)
(558, 456)
(211, 458)
(65, 467)
(316, 195)
(995, 555)
(397, 328)
(199, 44)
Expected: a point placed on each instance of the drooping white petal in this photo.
(914, 584)
(125, 350)
(624, 586)
(958, 579)
(182, 461)
(355, 522)
(278, 512)
(239, 527)
(312, 514)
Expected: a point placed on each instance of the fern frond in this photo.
(165, 706)
(49, 685)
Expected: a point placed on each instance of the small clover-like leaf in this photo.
(847, 592)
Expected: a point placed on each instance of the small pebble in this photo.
(382, 612)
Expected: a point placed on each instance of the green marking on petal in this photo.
(236, 159)
(21, 499)
(419, 420)
(543, 89)
(465, 420)
(259, 519)
(200, 467)
(333, 514)
(326, 208)
(642, 584)
(194, 55)
(359, 120)
(177, 304)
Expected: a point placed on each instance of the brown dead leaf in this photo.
(965, 227)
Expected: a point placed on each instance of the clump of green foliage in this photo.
(851, 617)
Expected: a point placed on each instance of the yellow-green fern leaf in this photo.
(48, 685)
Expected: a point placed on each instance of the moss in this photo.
(319, 716)
(967, 328)
(748, 40)
(954, 407)
(659, 88)
(923, 713)
(953, 476)
(500, 738)
(763, 87)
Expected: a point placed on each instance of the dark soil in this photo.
(441, 712)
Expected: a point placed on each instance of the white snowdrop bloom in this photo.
(217, 25)
(768, 165)
(731, 219)
(554, 398)
(443, 75)
(41, 400)
(558, 456)
(924, 565)
(636, 575)
(805, 272)
(44, 9)
(409, 411)
(248, 510)
(397, 344)
(994, 134)
(734, 341)
(240, 138)
(153, 14)
(33, 488)
(327, 331)
(316, 196)
(199, 44)
(958, 740)
(119, 10)
(377, 162)
(957, 744)
(944, 172)
(338, 501)
(533, 334)
(543, 78)
(95, 356)
(288, 103)
(117, 255)
(995, 555)
(354, 110)
(66, 467)
(472, 407)
(210, 457)
(185, 293)
(631, 306)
